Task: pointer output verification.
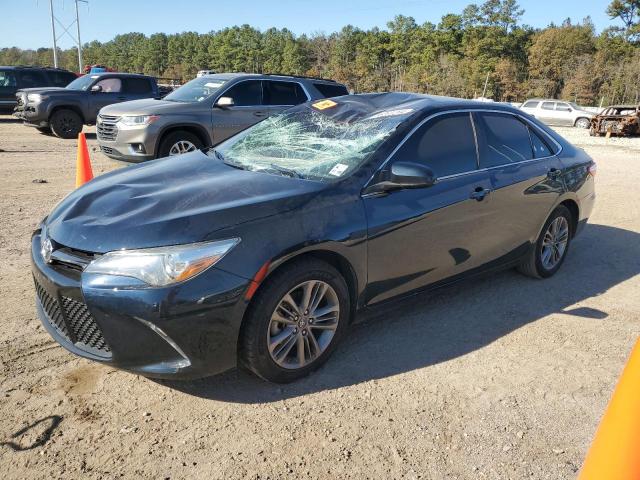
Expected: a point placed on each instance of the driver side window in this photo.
(245, 94)
(110, 85)
(446, 144)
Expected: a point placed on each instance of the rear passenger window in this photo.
(136, 85)
(445, 144)
(502, 139)
(283, 93)
(245, 94)
(32, 79)
(548, 105)
(329, 90)
(60, 79)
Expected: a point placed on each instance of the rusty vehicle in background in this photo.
(618, 120)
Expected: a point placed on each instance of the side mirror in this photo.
(225, 102)
(96, 88)
(403, 175)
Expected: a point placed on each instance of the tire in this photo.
(259, 330)
(44, 130)
(173, 139)
(65, 124)
(583, 123)
(534, 264)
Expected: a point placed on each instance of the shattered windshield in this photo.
(306, 143)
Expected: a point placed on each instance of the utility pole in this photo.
(79, 42)
(53, 31)
(75, 39)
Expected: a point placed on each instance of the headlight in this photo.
(134, 120)
(34, 97)
(163, 266)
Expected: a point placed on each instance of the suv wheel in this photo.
(65, 124)
(550, 250)
(583, 123)
(295, 321)
(177, 143)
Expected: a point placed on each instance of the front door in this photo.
(111, 91)
(418, 237)
(247, 110)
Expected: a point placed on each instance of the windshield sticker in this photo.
(392, 113)
(213, 84)
(338, 170)
(324, 104)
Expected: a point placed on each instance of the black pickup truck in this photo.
(63, 111)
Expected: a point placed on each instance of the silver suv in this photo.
(202, 113)
(556, 112)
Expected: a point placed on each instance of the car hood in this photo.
(172, 201)
(150, 106)
(52, 90)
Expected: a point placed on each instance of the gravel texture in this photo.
(500, 378)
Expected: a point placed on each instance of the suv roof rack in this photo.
(300, 76)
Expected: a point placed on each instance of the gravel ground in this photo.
(500, 378)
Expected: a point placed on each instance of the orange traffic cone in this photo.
(615, 453)
(83, 162)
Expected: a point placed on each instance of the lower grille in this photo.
(72, 320)
(106, 128)
(84, 328)
(107, 150)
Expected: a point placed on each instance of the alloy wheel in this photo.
(303, 324)
(554, 243)
(180, 147)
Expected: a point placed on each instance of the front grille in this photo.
(106, 127)
(73, 321)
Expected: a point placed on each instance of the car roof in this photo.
(30, 67)
(120, 74)
(234, 75)
(369, 103)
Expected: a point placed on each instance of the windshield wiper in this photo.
(222, 158)
(286, 171)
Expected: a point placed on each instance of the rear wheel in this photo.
(295, 321)
(65, 124)
(179, 142)
(583, 123)
(550, 250)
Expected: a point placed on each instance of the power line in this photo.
(65, 30)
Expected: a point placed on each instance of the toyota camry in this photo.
(261, 251)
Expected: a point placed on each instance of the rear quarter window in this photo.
(331, 90)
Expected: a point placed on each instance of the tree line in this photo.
(485, 49)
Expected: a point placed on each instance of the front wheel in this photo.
(65, 124)
(295, 321)
(583, 123)
(550, 250)
(179, 142)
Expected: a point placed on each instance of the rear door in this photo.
(523, 172)
(421, 236)
(547, 112)
(8, 87)
(135, 88)
(246, 111)
(279, 95)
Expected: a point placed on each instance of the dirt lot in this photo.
(503, 378)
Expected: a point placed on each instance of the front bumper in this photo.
(32, 114)
(189, 330)
(128, 144)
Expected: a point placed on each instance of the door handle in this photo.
(479, 193)
(259, 114)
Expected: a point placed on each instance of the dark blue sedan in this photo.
(262, 250)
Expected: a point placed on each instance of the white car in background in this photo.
(556, 112)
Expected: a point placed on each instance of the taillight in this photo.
(593, 169)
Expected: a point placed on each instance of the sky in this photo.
(27, 23)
